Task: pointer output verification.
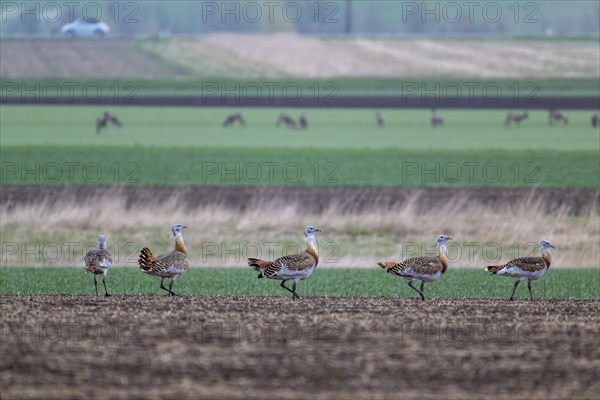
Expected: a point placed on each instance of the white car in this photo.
(83, 27)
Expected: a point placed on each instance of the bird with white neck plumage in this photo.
(98, 261)
(424, 269)
(170, 265)
(525, 268)
(292, 267)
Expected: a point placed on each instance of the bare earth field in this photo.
(288, 55)
(63, 347)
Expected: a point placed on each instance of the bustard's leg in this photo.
(294, 294)
(417, 290)
(422, 286)
(96, 284)
(163, 286)
(530, 289)
(104, 283)
(287, 288)
(171, 293)
(512, 296)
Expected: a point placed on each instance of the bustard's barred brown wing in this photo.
(97, 260)
(163, 264)
(419, 265)
(528, 264)
(293, 262)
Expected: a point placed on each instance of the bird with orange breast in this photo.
(424, 269)
(525, 268)
(294, 267)
(170, 265)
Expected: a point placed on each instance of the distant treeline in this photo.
(443, 17)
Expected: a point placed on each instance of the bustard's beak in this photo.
(184, 227)
(318, 230)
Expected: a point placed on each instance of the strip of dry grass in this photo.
(59, 232)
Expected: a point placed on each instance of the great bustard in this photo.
(516, 118)
(424, 269)
(98, 261)
(107, 117)
(557, 116)
(525, 268)
(436, 119)
(293, 267)
(231, 118)
(170, 265)
(380, 119)
(303, 121)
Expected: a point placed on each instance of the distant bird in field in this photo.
(105, 119)
(303, 121)
(424, 269)
(98, 261)
(595, 121)
(525, 268)
(380, 119)
(557, 116)
(516, 118)
(293, 267)
(170, 265)
(435, 119)
(285, 119)
(231, 118)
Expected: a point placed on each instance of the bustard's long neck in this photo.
(311, 247)
(101, 245)
(442, 254)
(546, 256)
(179, 245)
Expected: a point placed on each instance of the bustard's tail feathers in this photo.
(387, 264)
(258, 264)
(146, 259)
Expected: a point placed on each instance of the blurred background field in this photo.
(342, 147)
(553, 19)
(370, 170)
(337, 49)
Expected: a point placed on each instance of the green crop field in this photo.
(342, 147)
(570, 283)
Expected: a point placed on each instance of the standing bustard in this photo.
(293, 267)
(435, 119)
(522, 268)
(231, 118)
(424, 269)
(107, 117)
(380, 119)
(170, 265)
(98, 261)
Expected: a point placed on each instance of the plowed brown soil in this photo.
(62, 347)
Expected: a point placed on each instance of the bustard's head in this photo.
(177, 229)
(101, 241)
(442, 239)
(310, 230)
(545, 245)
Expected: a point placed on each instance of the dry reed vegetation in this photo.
(59, 232)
